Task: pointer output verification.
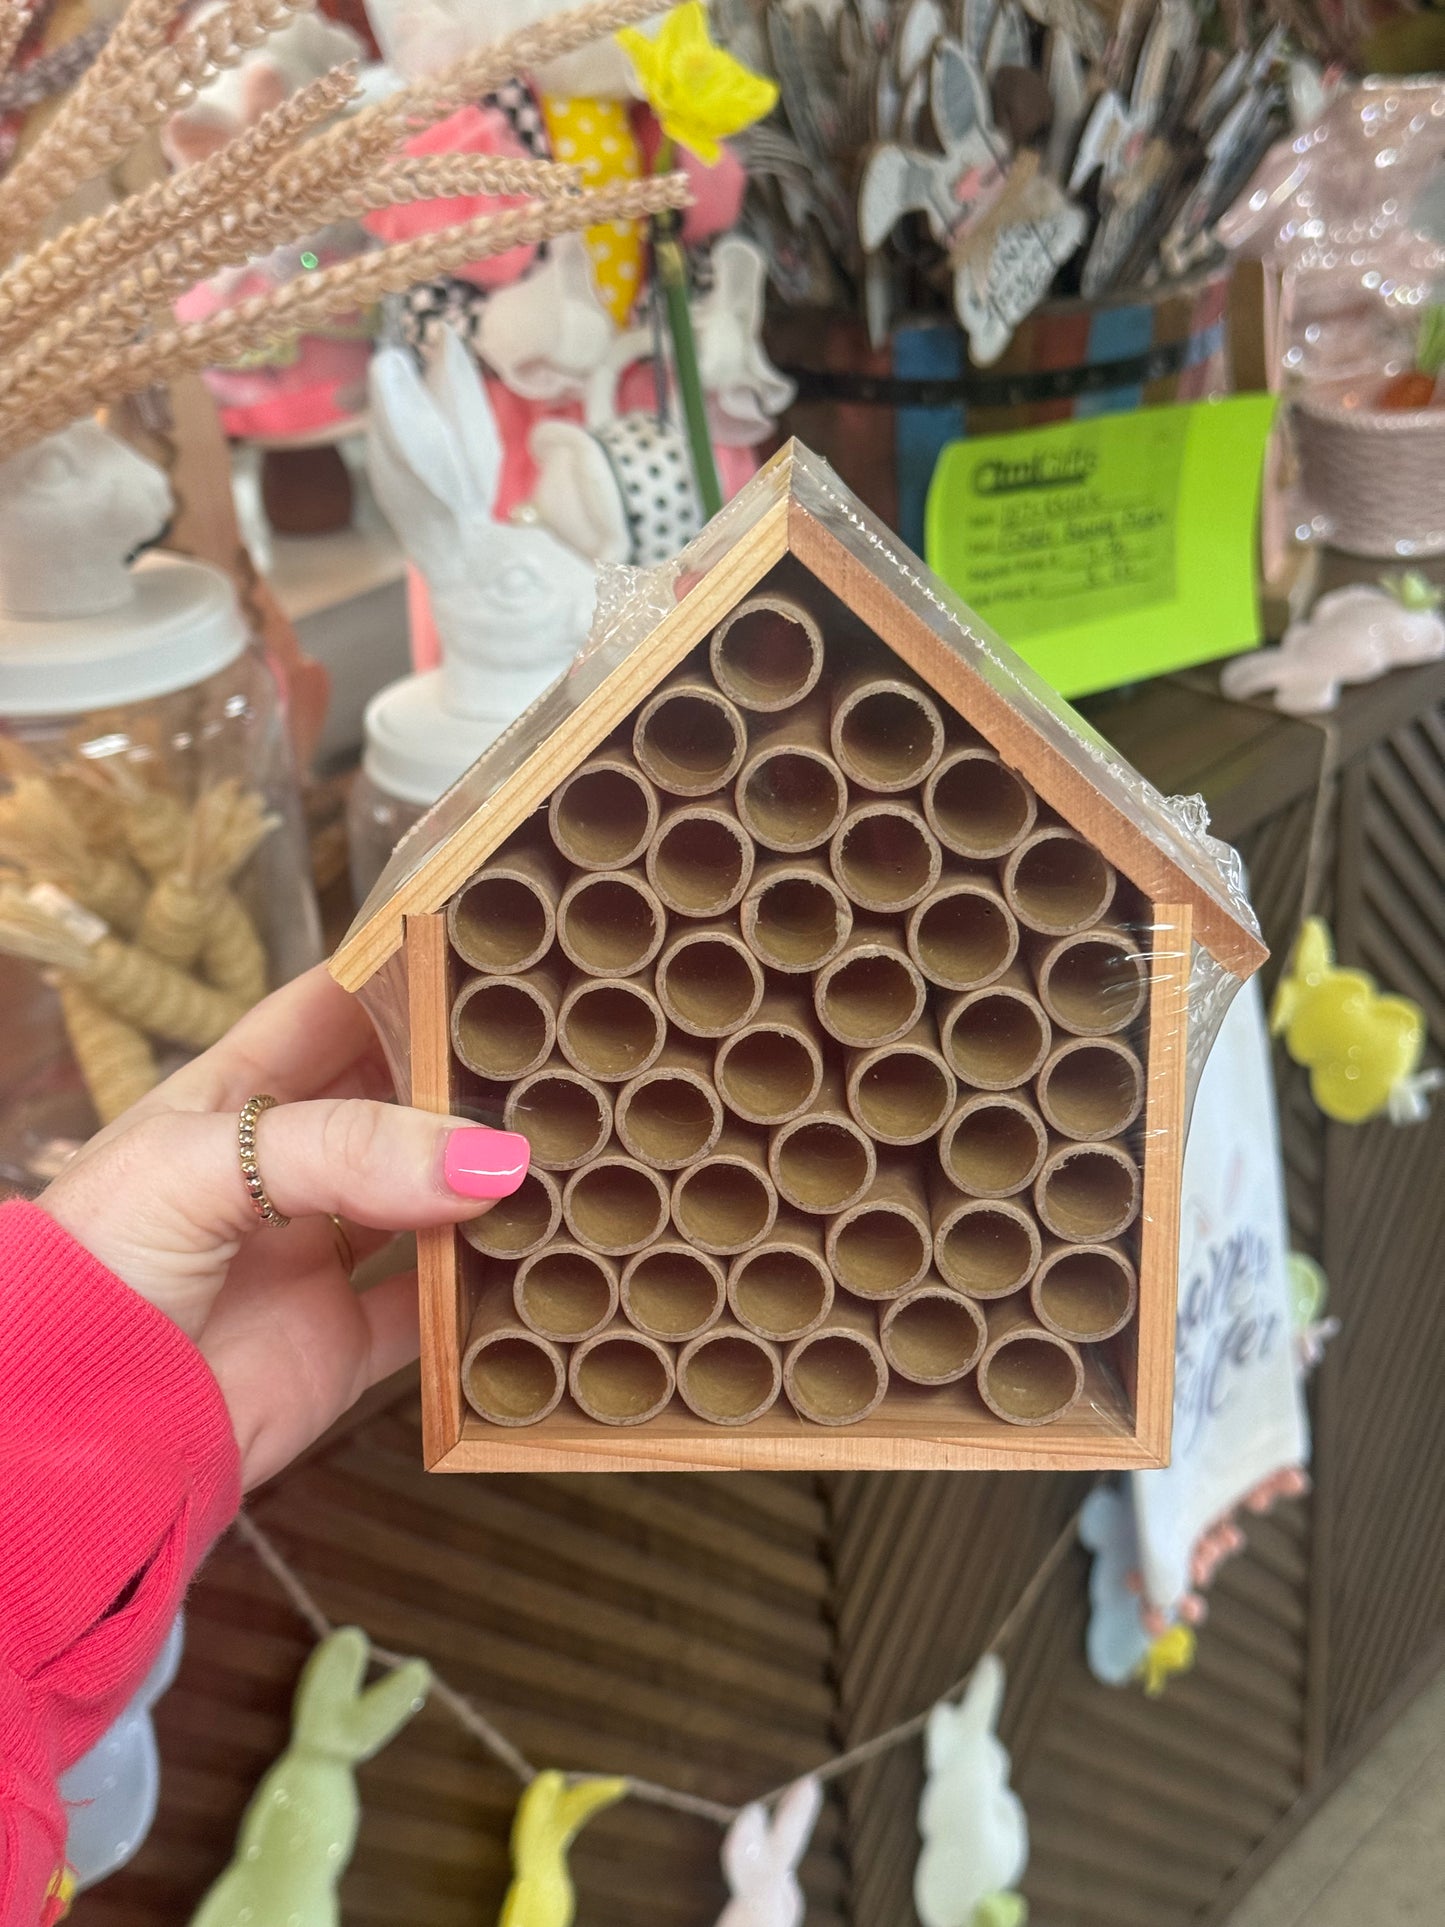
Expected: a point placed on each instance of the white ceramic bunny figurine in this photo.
(298, 1833)
(73, 511)
(1351, 635)
(760, 1858)
(547, 334)
(512, 604)
(975, 1833)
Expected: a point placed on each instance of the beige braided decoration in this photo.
(61, 269)
(14, 24)
(75, 380)
(84, 314)
(116, 102)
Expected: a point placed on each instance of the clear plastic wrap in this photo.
(897, 1011)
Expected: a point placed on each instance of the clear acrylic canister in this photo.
(154, 875)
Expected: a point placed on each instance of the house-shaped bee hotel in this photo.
(840, 978)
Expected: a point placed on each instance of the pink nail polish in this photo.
(485, 1164)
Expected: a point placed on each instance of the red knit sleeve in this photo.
(118, 1468)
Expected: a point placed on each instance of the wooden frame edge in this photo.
(1153, 1388)
(439, 1283)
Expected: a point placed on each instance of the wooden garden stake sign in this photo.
(840, 981)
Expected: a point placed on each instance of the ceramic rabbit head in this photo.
(761, 1855)
(74, 509)
(512, 604)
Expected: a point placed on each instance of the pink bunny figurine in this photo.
(761, 1855)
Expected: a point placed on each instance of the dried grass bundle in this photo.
(79, 326)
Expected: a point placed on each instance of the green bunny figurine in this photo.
(298, 1833)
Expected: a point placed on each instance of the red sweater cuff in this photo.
(118, 1468)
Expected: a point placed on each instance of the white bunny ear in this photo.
(412, 459)
(457, 386)
(983, 1701)
(941, 1736)
(745, 1853)
(793, 1821)
(576, 495)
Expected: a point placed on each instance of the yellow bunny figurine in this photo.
(1362, 1048)
(550, 1815)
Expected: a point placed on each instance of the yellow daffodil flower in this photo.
(699, 93)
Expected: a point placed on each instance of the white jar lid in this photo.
(415, 749)
(182, 625)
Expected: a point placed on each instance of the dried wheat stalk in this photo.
(60, 270)
(14, 25)
(263, 221)
(75, 383)
(116, 103)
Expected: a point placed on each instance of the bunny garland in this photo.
(550, 1815)
(298, 1833)
(975, 1833)
(760, 1858)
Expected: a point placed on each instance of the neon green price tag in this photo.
(1108, 550)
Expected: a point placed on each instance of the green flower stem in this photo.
(672, 272)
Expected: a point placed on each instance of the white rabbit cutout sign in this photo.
(975, 1832)
(761, 1855)
(512, 604)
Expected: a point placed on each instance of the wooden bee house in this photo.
(839, 977)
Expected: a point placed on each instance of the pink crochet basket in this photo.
(1374, 479)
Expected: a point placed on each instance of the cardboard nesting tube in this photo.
(510, 1376)
(794, 917)
(1091, 1087)
(902, 1093)
(838, 1374)
(782, 1289)
(603, 816)
(882, 1246)
(521, 1224)
(963, 935)
(503, 920)
(887, 733)
(1057, 883)
(932, 1336)
(504, 1027)
(671, 1114)
(726, 1203)
(672, 1292)
(1085, 1293)
(976, 805)
(885, 857)
(996, 1038)
(768, 654)
(1027, 1375)
(565, 1117)
(610, 924)
(701, 860)
(771, 1069)
(615, 1205)
(708, 981)
(987, 1247)
(822, 1162)
(688, 738)
(622, 1377)
(790, 794)
(1087, 1193)
(994, 1145)
(565, 1293)
(729, 1376)
(1094, 984)
(610, 1028)
(872, 992)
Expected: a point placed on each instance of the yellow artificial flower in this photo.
(699, 93)
(1171, 1653)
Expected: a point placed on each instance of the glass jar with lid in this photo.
(154, 877)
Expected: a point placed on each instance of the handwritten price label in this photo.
(1110, 549)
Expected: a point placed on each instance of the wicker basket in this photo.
(1374, 480)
